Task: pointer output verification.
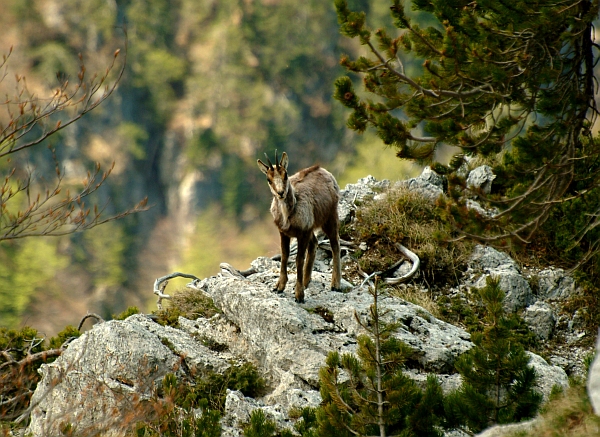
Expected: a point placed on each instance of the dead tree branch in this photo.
(161, 283)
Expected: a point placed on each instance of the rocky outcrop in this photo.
(118, 363)
(100, 381)
(541, 319)
(428, 184)
(102, 376)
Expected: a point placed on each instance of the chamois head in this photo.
(276, 174)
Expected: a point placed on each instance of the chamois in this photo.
(303, 203)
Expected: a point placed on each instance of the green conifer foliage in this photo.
(183, 411)
(377, 398)
(260, 425)
(510, 82)
(498, 384)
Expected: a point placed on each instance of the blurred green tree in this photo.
(38, 197)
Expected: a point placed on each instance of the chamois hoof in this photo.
(299, 300)
(277, 290)
(338, 289)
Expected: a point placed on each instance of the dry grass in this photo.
(418, 297)
(187, 303)
(405, 217)
(568, 414)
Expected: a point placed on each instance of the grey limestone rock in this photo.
(429, 184)
(493, 263)
(481, 178)
(295, 338)
(541, 319)
(97, 383)
(554, 283)
(238, 409)
(476, 206)
(548, 375)
(365, 188)
(489, 259)
(511, 429)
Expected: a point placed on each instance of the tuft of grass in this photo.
(243, 377)
(128, 312)
(213, 345)
(418, 297)
(187, 303)
(568, 413)
(403, 216)
(67, 334)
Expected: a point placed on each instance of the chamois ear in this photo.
(284, 160)
(262, 166)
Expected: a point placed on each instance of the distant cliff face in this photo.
(207, 89)
(122, 363)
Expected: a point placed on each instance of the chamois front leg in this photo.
(303, 241)
(285, 254)
(311, 253)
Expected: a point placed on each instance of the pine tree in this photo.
(378, 398)
(510, 82)
(498, 384)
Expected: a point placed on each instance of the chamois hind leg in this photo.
(303, 241)
(285, 254)
(311, 253)
(331, 229)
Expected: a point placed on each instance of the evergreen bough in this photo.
(498, 383)
(510, 82)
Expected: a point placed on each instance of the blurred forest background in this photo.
(208, 88)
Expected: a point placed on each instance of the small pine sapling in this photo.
(175, 414)
(498, 383)
(369, 394)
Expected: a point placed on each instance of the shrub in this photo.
(130, 311)
(23, 351)
(184, 408)
(182, 411)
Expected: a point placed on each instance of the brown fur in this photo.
(302, 204)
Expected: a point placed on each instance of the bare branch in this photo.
(161, 283)
(89, 316)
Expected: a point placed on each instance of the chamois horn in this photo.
(269, 161)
